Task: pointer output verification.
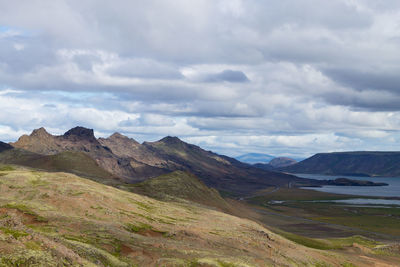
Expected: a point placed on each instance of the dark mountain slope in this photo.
(125, 147)
(4, 146)
(350, 163)
(217, 171)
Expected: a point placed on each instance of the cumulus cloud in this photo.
(280, 77)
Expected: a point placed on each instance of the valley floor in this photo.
(307, 217)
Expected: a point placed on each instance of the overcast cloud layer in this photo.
(288, 77)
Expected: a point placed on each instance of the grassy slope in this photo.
(58, 218)
(182, 185)
(70, 161)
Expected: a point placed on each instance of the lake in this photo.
(392, 190)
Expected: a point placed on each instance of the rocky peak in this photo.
(171, 140)
(80, 133)
(117, 137)
(281, 162)
(41, 132)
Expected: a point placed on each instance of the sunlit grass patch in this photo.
(306, 241)
(95, 254)
(136, 228)
(43, 228)
(7, 168)
(33, 245)
(142, 205)
(15, 233)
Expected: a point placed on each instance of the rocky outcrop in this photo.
(80, 139)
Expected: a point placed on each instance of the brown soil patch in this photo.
(26, 218)
(125, 250)
(377, 263)
(150, 233)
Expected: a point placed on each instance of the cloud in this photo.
(291, 77)
(232, 76)
(362, 80)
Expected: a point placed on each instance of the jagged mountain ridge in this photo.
(126, 158)
(80, 139)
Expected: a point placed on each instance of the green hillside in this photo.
(59, 219)
(68, 161)
(181, 185)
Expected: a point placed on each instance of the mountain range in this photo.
(253, 158)
(276, 163)
(122, 159)
(364, 163)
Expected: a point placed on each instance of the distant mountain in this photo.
(252, 158)
(282, 162)
(4, 146)
(130, 161)
(350, 163)
(276, 163)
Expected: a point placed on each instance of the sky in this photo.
(287, 78)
